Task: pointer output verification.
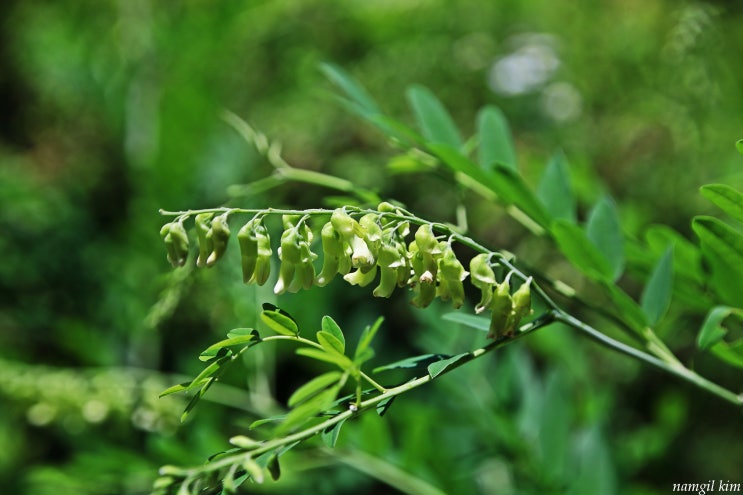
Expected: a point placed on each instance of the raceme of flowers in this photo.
(357, 249)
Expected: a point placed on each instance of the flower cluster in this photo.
(358, 249)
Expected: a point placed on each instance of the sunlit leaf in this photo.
(263, 421)
(321, 355)
(330, 342)
(330, 326)
(313, 387)
(433, 120)
(496, 143)
(438, 367)
(605, 232)
(727, 198)
(555, 190)
(175, 389)
(279, 320)
(211, 351)
(656, 297)
(308, 409)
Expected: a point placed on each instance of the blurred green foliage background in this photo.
(111, 110)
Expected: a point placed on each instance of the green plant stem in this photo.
(672, 368)
(271, 445)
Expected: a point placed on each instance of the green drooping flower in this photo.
(482, 277)
(451, 276)
(255, 248)
(176, 243)
(219, 233)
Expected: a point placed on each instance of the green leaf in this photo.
(723, 249)
(496, 143)
(417, 362)
(353, 89)
(687, 257)
(196, 398)
(330, 326)
(433, 120)
(728, 199)
(384, 406)
(279, 320)
(605, 232)
(575, 245)
(555, 190)
(739, 146)
(308, 409)
(175, 389)
(313, 387)
(366, 338)
(712, 330)
(263, 421)
(321, 355)
(656, 297)
(211, 351)
(397, 130)
(511, 186)
(330, 434)
(208, 372)
(477, 322)
(274, 468)
(629, 310)
(438, 367)
(730, 353)
(330, 342)
(242, 332)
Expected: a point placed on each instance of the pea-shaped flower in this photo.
(296, 270)
(219, 233)
(336, 255)
(255, 249)
(353, 234)
(393, 265)
(206, 245)
(521, 304)
(423, 281)
(176, 243)
(451, 275)
(482, 277)
(501, 306)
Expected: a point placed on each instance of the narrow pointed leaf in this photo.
(366, 338)
(330, 435)
(384, 406)
(417, 362)
(433, 120)
(555, 190)
(477, 322)
(308, 409)
(196, 398)
(274, 468)
(313, 387)
(208, 372)
(496, 143)
(712, 330)
(330, 326)
(739, 146)
(605, 232)
(657, 294)
(278, 320)
(321, 355)
(353, 89)
(175, 389)
(575, 245)
(211, 351)
(438, 367)
(725, 197)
